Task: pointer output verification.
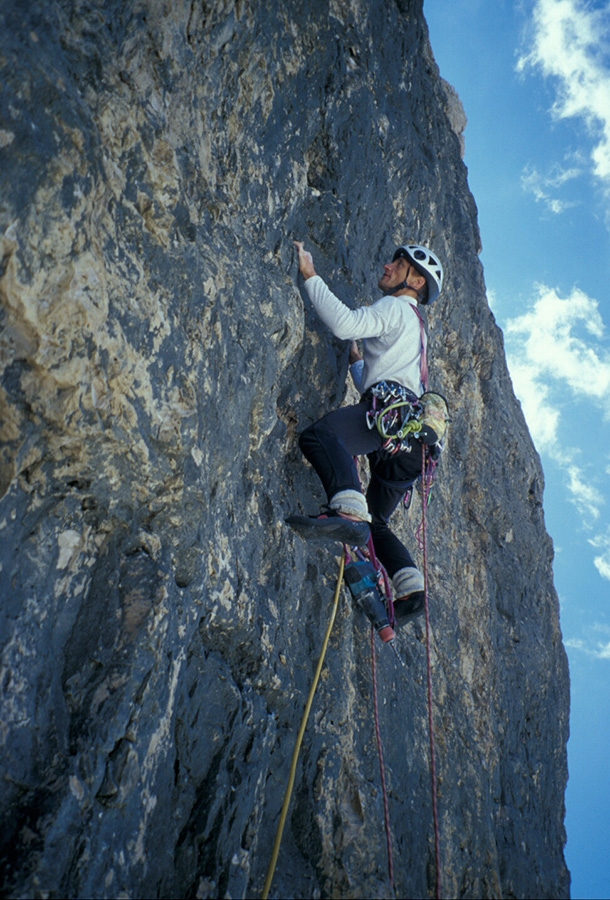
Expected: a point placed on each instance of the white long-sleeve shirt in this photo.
(390, 331)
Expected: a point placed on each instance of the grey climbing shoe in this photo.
(408, 608)
(330, 527)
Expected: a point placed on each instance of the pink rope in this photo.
(429, 467)
(423, 363)
(427, 479)
(386, 810)
(425, 494)
(386, 580)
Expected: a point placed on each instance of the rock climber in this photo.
(393, 339)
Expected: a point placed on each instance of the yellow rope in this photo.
(295, 755)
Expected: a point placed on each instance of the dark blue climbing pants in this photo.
(331, 444)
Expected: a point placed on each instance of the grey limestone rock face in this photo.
(160, 623)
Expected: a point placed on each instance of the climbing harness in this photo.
(395, 413)
(399, 416)
(299, 741)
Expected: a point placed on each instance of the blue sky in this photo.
(534, 78)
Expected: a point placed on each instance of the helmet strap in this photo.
(405, 283)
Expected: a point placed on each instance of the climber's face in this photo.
(394, 273)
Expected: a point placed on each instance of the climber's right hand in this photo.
(306, 266)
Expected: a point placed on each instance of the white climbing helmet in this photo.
(427, 264)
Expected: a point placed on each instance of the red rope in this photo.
(423, 362)
(426, 484)
(427, 479)
(380, 569)
(386, 810)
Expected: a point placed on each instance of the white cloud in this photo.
(575, 643)
(585, 496)
(556, 355)
(571, 43)
(543, 186)
(558, 206)
(556, 339)
(602, 562)
(542, 418)
(591, 644)
(599, 650)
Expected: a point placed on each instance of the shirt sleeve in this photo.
(345, 323)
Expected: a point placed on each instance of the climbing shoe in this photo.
(407, 608)
(331, 526)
